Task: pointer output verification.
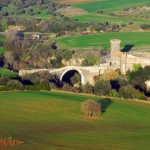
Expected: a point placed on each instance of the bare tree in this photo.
(91, 108)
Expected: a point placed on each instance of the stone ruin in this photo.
(126, 60)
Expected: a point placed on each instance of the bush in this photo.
(15, 84)
(90, 61)
(4, 80)
(115, 27)
(99, 11)
(7, 88)
(44, 85)
(91, 108)
(102, 87)
(53, 85)
(67, 87)
(77, 90)
(32, 88)
(145, 26)
(123, 25)
(129, 91)
(88, 88)
(113, 93)
(130, 23)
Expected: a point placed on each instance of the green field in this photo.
(2, 50)
(139, 40)
(8, 73)
(42, 14)
(111, 19)
(53, 121)
(111, 5)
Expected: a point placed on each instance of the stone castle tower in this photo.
(115, 45)
(116, 56)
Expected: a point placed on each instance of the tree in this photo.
(4, 80)
(138, 76)
(91, 108)
(15, 84)
(90, 61)
(88, 88)
(145, 26)
(76, 79)
(129, 91)
(102, 87)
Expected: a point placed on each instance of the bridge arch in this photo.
(73, 69)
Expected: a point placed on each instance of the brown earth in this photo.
(76, 1)
(8, 142)
(72, 11)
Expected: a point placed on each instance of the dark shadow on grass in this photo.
(105, 103)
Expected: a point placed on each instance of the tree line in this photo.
(111, 83)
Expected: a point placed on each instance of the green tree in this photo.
(129, 91)
(91, 108)
(88, 88)
(102, 87)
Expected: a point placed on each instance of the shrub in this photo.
(15, 84)
(90, 61)
(129, 91)
(113, 93)
(91, 108)
(44, 85)
(53, 85)
(32, 87)
(123, 25)
(67, 87)
(4, 80)
(88, 88)
(99, 11)
(76, 79)
(115, 27)
(7, 88)
(77, 90)
(102, 87)
(145, 26)
(130, 23)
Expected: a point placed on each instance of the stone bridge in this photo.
(87, 73)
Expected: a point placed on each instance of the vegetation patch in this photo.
(71, 11)
(2, 50)
(9, 142)
(52, 120)
(8, 73)
(110, 6)
(76, 1)
(103, 40)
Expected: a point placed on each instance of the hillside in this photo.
(46, 120)
(138, 40)
(118, 12)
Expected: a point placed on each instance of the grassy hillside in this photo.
(8, 73)
(53, 121)
(112, 19)
(115, 7)
(111, 5)
(76, 1)
(2, 50)
(42, 14)
(103, 40)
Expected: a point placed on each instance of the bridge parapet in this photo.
(87, 73)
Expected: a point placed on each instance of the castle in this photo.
(125, 60)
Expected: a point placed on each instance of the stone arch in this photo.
(73, 69)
